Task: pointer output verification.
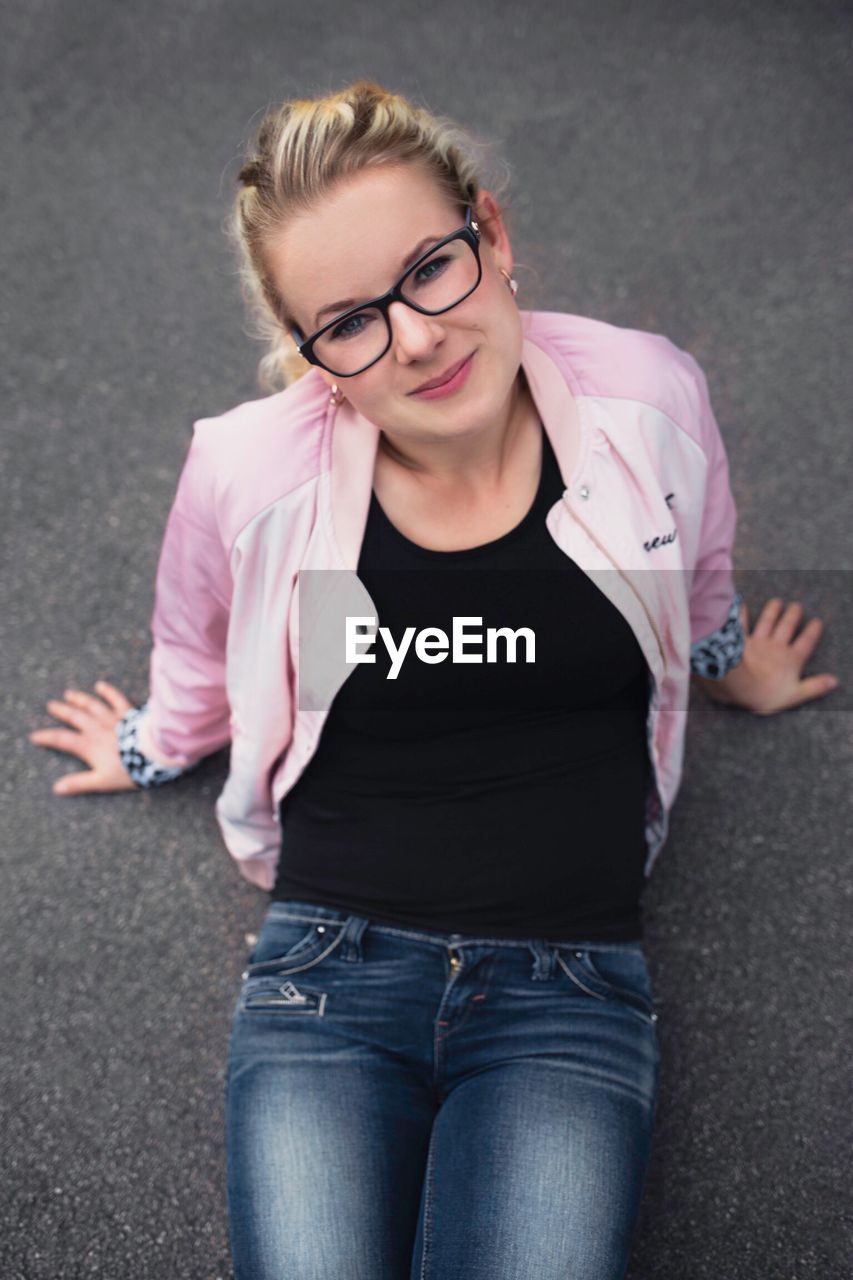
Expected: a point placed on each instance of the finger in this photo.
(64, 711)
(806, 642)
(766, 620)
(59, 740)
(86, 702)
(788, 622)
(813, 687)
(113, 696)
(75, 784)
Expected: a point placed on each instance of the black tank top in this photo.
(491, 798)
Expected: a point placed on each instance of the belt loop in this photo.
(351, 937)
(544, 959)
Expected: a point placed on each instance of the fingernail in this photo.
(59, 787)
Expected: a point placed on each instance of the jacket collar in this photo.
(355, 440)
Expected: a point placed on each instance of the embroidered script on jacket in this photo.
(662, 539)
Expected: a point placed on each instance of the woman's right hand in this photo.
(94, 741)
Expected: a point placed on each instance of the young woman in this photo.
(444, 594)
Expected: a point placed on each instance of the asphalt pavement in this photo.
(681, 168)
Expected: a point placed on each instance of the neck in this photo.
(480, 456)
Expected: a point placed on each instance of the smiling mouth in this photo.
(442, 378)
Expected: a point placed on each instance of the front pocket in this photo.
(272, 956)
(611, 975)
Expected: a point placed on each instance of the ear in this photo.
(494, 234)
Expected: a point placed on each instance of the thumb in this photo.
(75, 784)
(813, 687)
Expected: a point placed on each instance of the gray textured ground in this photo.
(677, 167)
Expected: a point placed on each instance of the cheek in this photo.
(504, 333)
(372, 392)
(500, 310)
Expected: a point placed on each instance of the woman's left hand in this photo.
(769, 676)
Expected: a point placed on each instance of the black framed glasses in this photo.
(440, 279)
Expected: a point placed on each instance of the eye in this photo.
(425, 274)
(352, 327)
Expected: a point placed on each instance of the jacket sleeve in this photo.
(716, 631)
(186, 715)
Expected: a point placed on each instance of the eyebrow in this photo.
(352, 302)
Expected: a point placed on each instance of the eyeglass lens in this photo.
(435, 285)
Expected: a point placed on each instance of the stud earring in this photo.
(337, 395)
(512, 285)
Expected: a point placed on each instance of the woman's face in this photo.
(355, 244)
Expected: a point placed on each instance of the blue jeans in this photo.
(409, 1105)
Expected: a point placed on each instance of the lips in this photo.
(441, 378)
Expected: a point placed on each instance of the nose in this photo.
(414, 336)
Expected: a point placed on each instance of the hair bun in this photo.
(250, 174)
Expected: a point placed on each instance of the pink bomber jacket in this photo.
(276, 489)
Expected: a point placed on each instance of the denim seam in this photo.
(429, 1179)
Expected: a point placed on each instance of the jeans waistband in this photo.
(312, 912)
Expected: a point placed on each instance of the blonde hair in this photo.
(302, 148)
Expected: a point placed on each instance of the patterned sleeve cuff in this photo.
(143, 771)
(716, 654)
